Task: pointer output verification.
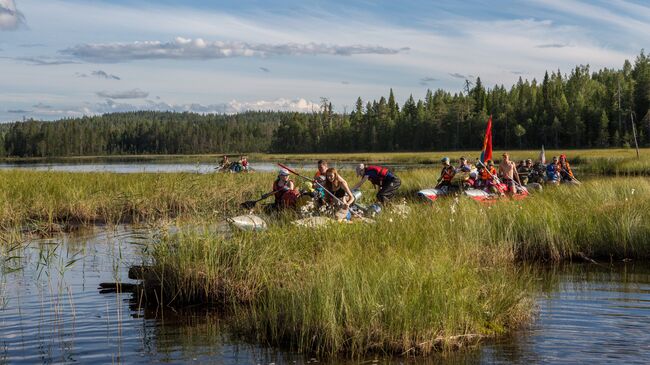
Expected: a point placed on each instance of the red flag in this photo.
(486, 154)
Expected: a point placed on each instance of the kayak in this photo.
(249, 222)
(475, 194)
(434, 193)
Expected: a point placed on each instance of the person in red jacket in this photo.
(380, 177)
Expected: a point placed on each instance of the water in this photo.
(51, 311)
(149, 167)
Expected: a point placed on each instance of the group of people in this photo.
(234, 166)
(329, 189)
(507, 178)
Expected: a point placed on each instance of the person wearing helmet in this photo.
(564, 168)
(380, 177)
(284, 190)
(446, 174)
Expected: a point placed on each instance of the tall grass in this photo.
(447, 274)
(54, 200)
(351, 289)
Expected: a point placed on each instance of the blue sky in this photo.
(67, 58)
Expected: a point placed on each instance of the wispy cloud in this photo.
(552, 45)
(264, 69)
(199, 49)
(42, 61)
(99, 74)
(128, 94)
(31, 45)
(457, 75)
(232, 107)
(18, 111)
(10, 17)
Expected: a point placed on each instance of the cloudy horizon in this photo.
(68, 58)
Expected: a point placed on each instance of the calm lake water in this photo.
(149, 167)
(51, 311)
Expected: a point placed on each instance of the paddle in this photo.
(250, 204)
(317, 183)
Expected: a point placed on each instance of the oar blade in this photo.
(250, 204)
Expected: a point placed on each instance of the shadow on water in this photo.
(51, 311)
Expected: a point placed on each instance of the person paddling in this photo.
(337, 185)
(386, 181)
(565, 169)
(508, 173)
(486, 177)
(446, 174)
(284, 187)
(225, 163)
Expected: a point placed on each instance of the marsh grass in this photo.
(52, 201)
(447, 276)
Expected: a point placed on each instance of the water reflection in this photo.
(51, 311)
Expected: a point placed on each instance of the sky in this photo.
(69, 58)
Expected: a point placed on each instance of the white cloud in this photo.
(128, 94)
(109, 106)
(10, 17)
(199, 49)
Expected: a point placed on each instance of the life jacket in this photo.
(448, 173)
(566, 168)
(279, 191)
(376, 174)
(551, 171)
(485, 173)
(244, 162)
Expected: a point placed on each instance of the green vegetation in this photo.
(50, 201)
(403, 285)
(581, 109)
(448, 275)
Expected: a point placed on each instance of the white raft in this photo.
(248, 222)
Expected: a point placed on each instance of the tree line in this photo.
(142, 132)
(580, 109)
